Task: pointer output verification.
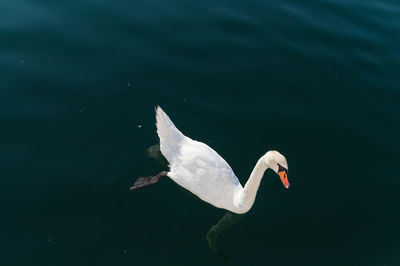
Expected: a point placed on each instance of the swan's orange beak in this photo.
(283, 175)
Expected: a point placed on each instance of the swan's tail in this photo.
(169, 135)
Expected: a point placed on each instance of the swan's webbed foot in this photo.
(147, 180)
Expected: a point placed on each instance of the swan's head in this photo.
(277, 162)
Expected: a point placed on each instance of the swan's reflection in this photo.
(224, 224)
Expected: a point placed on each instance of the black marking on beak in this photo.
(281, 168)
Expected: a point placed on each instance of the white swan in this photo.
(199, 169)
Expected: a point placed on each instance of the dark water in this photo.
(317, 80)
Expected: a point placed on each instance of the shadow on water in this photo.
(155, 153)
(224, 224)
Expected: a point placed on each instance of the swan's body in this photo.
(199, 169)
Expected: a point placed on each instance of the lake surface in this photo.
(318, 81)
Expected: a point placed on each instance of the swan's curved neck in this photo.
(245, 198)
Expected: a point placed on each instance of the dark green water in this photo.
(317, 80)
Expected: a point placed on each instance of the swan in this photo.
(201, 170)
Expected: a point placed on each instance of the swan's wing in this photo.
(170, 136)
(193, 164)
(204, 166)
(202, 171)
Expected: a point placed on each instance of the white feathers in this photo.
(201, 170)
(170, 136)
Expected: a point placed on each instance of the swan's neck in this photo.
(245, 198)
